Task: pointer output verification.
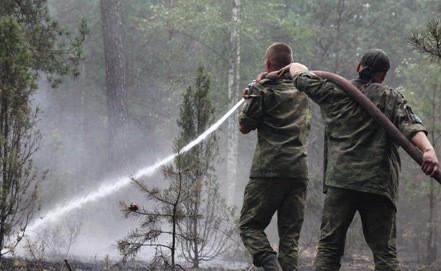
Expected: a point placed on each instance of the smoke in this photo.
(109, 186)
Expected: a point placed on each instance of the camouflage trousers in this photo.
(262, 199)
(378, 218)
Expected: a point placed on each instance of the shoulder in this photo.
(270, 85)
(272, 82)
(378, 89)
(390, 92)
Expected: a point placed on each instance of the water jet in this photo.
(111, 186)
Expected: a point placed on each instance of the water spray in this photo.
(109, 187)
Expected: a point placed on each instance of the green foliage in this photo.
(428, 43)
(206, 231)
(423, 85)
(345, 29)
(54, 49)
(163, 218)
(18, 137)
(180, 34)
(191, 210)
(15, 59)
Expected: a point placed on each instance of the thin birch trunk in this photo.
(233, 89)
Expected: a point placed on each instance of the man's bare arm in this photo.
(430, 163)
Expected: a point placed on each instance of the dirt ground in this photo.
(80, 266)
(353, 264)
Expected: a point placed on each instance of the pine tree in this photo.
(55, 50)
(31, 43)
(18, 137)
(191, 211)
(162, 220)
(428, 42)
(208, 224)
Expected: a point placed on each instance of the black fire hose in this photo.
(378, 116)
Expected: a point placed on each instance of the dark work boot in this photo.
(270, 263)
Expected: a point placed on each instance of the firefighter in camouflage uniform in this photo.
(362, 162)
(279, 171)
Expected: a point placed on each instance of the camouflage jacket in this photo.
(281, 114)
(359, 155)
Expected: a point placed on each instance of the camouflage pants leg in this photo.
(262, 199)
(379, 228)
(378, 219)
(290, 218)
(337, 216)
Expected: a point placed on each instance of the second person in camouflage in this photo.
(279, 171)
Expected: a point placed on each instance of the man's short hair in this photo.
(279, 54)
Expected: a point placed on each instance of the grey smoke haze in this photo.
(76, 168)
(93, 204)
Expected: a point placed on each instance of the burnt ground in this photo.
(353, 264)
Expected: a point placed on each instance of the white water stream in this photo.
(111, 186)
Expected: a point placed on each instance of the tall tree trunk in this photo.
(340, 11)
(432, 221)
(4, 131)
(233, 89)
(115, 62)
(82, 165)
(431, 245)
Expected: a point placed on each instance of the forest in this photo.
(100, 101)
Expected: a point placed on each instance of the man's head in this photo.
(277, 56)
(374, 65)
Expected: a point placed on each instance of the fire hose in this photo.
(378, 116)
